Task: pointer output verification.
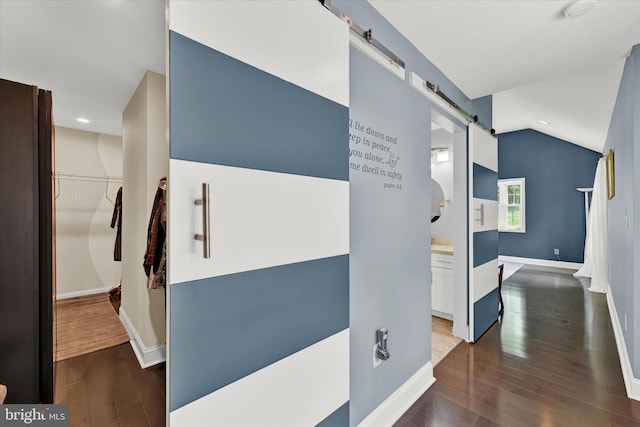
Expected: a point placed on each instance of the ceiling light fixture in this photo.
(544, 122)
(82, 120)
(578, 8)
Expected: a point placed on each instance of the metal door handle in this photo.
(204, 237)
(481, 210)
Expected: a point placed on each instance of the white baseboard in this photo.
(82, 293)
(541, 262)
(390, 411)
(442, 314)
(631, 383)
(147, 356)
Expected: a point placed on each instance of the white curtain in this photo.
(596, 250)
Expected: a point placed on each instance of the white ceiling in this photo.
(537, 64)
(90, 54)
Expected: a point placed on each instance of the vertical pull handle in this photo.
(204, 237)
(481, 210)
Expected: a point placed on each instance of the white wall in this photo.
(84, 238)
(146, 160)
(443, 174)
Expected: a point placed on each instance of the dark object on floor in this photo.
(500, 271)
(114, 298)
(115, 292)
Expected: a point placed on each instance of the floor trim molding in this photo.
(147, 356)
(82, 293)
(631, 383)
(541, 262)
(390, 411)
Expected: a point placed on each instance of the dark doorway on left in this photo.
(27, 280)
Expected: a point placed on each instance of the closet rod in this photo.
(96, 178)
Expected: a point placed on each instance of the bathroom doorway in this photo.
(449, 296)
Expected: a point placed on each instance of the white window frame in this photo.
(503, 205)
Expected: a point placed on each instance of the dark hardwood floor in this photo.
(550, 361)
(108, 388)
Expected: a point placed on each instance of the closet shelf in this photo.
(86, 178)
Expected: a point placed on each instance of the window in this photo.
(511, 208)
(439, 155)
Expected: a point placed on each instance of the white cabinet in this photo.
(442, 286)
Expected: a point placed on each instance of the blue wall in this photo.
(389, 268)
(390, 228)
(555, 217)
(483, 108)
(624, 241)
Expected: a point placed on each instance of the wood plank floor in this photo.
(86, 324)
(550, 361)
(108, 388)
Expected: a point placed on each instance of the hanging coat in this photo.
(155, 255)
(116, 221)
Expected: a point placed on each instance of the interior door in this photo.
(483, 230)
(26, 330)
(46, 222)
(259, 137)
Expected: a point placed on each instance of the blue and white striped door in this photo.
(258, 332)
(483, 231)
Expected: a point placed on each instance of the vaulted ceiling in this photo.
(537, 64)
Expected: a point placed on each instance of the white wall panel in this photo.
(490, 215)
(484, 149)
(311, 385)
(299, 41)
(258, 219)
(485, 279)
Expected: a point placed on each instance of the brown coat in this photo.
(155, 254)
(116, 220)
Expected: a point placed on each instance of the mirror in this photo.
(437, 201)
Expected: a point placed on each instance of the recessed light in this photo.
(82, 120)
(544, 122)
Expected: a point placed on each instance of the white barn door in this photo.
(483, 231)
